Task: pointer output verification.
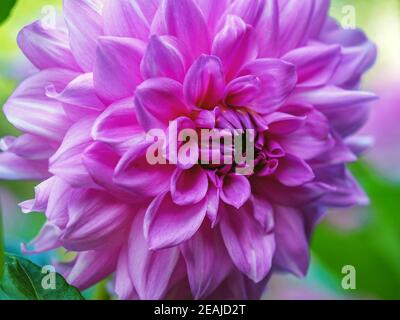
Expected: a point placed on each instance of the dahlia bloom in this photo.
(117, 69)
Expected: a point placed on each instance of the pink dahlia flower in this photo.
(117, 69)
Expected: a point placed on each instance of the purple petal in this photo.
(202, 254)
(150, 271)
(167, 224)
(183, 20)
(204, 83)
(31, 111)
(118, 126)
(96, 220)
(135, 174)
(278, 80)
(293, 171)
(316, 65)
(235, 45)
(85, 25)
(67, 163)
(189, 186)
(242, 91)
(13, 167)
(236, 190)
(163, 58)
(292, 247)
(125, 18)
(46, 47)
(117, 68)
(250, 247)
(159, 101)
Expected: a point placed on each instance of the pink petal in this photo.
(235, 45)
(13, 167)
(67, 163)
(124, 287)
(117, 68)
(189, 186)
(167, 224)
(46, 47)
(135, 174)
(292, 246)
(163, 58)
(204, 83)
(118, 126)
(85, 25)
(250, 247)
(278, 80)
(79, 97)
(31, 111)
(213, 12)
(90, 267)
(284, 123)
(150, 271)
(48, 239)
(125, 18)
(293, 171)
(28, 146)
(316, 65)
(159, 101)
(183, 20)
(236, 190)
(96, 220)
(242, 91)
(42, 194)
(202, 254)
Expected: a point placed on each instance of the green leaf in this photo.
(22, 280)
(374, 249)
(5, 9)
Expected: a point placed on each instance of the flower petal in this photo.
(293, 171)
(159, 101)
(236, 190)
(163, 58)
(278, 80)
(117, 68)
(85, 25)
(204, 83)
(189, 186)
(235, 45)
(46, 47)
(250, 247)
(202, 254)
(150, 271)
(167, 224)
(242, 91)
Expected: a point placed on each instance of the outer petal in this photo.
(13, 167)
(167, 224)
(29, 110)
(28, 146)
(235, 45)
(316, 65)
(278, 80)
(125, 18)
(42, 193)
(204, 83)
(293, 171)
(46, 48)
(163, 58)
(124, 286)
(79, 98)
(183, 20)
(292, 247)
(67, 161)
(242, 91)
(90, 267)
(96, 220)
(117, 68)
(250, 247)
(159, 101)
(84, 24)
(202, 254)
(150, 271)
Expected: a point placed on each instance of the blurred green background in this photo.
(366, 238)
